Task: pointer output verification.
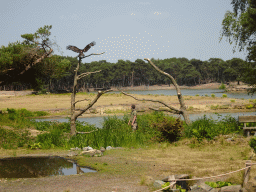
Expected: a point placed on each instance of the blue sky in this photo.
(124, 29)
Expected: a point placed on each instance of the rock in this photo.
(77, 148)
(206, 187)
(233, 188)
(85, 148)
(183, 184)
(98, 153)
(90, 148)
(158, 184)
(109, 147)
(230, 139)
(102, 149)
(71, 154)
(198, 189)
(91, 152)
(72, 149)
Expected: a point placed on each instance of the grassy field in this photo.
(135, 166)
(59, 104)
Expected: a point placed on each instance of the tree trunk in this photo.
(73, 104)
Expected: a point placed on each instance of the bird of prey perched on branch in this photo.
(81, 51)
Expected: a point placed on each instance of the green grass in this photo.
(152, 128)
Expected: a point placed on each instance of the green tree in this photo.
(17, 60)
(239, 27)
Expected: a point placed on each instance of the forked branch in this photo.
(93, 54)
(87, 73)
(156, 101)
(100, 93)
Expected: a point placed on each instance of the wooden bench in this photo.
(247, 119)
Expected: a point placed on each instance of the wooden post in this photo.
(247, 172)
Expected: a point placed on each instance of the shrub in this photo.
(252, 143)
(232, 101)
(222, 86)
(51, 140)
(206, 95)
(208, 128)
(170, 128)
(41, 113)
(224, 95)
(197, 95)
(11, 140)
(213, 95)
(249, 106)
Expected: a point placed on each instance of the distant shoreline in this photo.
(231, 88)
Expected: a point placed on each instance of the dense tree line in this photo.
(31, 64)
(53, 76)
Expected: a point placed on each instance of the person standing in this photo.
(133, 119)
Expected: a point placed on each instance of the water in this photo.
(98, 121)
(33, 167)
(193, 92)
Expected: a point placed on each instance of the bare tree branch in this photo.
(93, 54)
(82, 100)
(181, 100)
(37, 61)
(86, 132)
(171, 111)
(100, 93)
(172, 79)
(157, 101)
(87, 73)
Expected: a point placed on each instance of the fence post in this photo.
(247, 172)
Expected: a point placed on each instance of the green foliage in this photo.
(208, 128)
(170, 128)
(232, 100)
(51, 140)
(11, 139)
(219, 184)
(249, 106)
(169, 190)
(197, 95)
(224, 95)
(213, 95)
(252, 143)
(222, 86)
(35, 146)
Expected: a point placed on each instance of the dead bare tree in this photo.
(171, 109)
(75, 113)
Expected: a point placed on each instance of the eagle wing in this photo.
(74, 48)
(89, 46)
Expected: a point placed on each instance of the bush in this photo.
(252, 143)
(224, 95)
(170, 128)
(222, 86)
(249, 106)
(51, 140)
(11, 139)
(208, 128)
(213, 95)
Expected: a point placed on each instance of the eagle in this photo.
(81, 51)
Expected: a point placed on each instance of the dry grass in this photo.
(60, 104)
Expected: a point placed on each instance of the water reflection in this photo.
(32, 167)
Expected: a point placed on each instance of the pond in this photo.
(33, 167)
(97, 121)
